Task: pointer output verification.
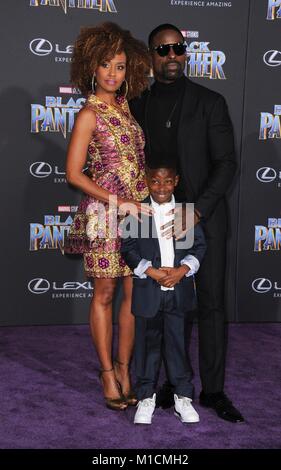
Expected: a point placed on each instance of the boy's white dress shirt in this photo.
(166, 244)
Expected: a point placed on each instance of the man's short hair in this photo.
(163, 27)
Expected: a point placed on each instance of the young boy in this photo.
(163, 291)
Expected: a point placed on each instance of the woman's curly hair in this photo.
(102, 42)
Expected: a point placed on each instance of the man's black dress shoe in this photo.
(165, 396)
(222, 405)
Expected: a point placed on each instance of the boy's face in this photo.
(161, 183)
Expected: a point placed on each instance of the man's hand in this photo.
(174, 275)
(184, 220)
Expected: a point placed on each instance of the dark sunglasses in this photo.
(163, 50)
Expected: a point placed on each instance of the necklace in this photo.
(168, 122)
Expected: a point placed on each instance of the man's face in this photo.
(167, 69)
(161, 183)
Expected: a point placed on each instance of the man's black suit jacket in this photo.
(206, 150)
(146, 292)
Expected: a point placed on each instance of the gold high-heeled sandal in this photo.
(114, 403)
(130, 397)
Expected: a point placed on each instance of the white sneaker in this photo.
(145, 410)
(184, 410)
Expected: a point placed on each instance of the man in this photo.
(183, 118)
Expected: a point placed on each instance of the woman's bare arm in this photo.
(81, 135)
(82, 132)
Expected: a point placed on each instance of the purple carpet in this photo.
(51, 396)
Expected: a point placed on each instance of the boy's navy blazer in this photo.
(147, 292)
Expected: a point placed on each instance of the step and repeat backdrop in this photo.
(232, 48)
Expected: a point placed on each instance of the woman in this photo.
(108, 65)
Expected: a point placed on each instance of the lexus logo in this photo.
(41, 286)
(272, 58)
(40, 169)
(38, 286)
(40, 46)
(266, 174)
(261, 285)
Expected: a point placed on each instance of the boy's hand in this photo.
(174, 275)
(157, 274)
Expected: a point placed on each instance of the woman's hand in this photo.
(134, 208)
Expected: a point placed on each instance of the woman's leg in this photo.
(101, 329)
(126, 337)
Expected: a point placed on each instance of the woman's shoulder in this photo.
(90, 103)
(86, 118)
(86, 111)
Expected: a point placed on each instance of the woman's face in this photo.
(110, 74)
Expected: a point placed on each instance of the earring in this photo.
(94, 84)
(127, 88)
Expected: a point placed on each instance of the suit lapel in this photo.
(152, 227)
(153, 231)
(188, 109)
(189, 101)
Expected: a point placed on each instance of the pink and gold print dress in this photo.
(115, 163)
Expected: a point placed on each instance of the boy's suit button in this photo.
(157, 258)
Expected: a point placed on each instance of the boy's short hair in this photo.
(164, 163)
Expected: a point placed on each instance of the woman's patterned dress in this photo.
(116, 163)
